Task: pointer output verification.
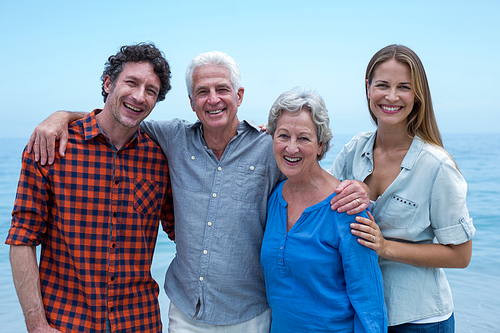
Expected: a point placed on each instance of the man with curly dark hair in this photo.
(96, 212)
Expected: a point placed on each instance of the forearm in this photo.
(429, 254)
(71, 116)
(27, 283)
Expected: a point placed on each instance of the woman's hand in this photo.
(369, 234)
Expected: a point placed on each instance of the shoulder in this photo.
(435, 154)
(175, 123)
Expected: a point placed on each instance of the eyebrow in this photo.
(384, 81)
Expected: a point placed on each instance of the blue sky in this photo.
(53, 53)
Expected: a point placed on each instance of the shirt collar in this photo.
(410, 157)
(242, 125)
(92, 130)
(412, 154)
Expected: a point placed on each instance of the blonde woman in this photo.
(418, 194)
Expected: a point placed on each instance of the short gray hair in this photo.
(296, 100)
(214, 58)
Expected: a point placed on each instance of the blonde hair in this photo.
(421, 120)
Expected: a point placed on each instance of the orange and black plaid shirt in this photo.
(96, 213)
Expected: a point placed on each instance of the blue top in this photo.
(424, 204)
(220, 216)
(318, 277)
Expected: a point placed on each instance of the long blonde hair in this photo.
(421, 120)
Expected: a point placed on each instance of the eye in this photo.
(381, 85)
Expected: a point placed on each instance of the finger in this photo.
(36, 148)
(31, 142)
(358, 209)
(341, 187)
(363, 221)
(63, 144)
(42, 147)
(50, 149)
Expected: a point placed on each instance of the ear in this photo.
(192, 103)
(367, 89)
(107, 84)
(240, 93)
(320, 148)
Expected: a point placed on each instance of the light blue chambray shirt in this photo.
(425, 203)
(220, 215)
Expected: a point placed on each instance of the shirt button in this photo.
(205, 251)
(111, 309)
(370, 170)
(219, 168)
(281, 248)
(252, 168)
(192, 157)
(114, 214)
(209, 224)
(214, 195)
(112, 278)
(113, 245)
(201, 278)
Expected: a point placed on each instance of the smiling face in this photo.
(295, 144)
(214, 99)
(133, 95)
(391, 93)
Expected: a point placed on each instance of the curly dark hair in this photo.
(138, 53)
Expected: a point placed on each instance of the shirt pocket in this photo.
(399, 212)
(249, 182)
(189, 175)
(147, 196)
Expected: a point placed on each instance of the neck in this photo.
(117, 134)
(392, 138)
(311, 182)
(218, 139)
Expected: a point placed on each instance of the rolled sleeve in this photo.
(31, 206)
(449, 213)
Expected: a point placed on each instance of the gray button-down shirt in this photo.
(220, 215)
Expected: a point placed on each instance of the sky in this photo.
(53, 54)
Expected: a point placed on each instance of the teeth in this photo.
(388, 108)
(132, 108)
(289, 159)
(215, 111)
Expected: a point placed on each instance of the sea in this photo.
(476, 289)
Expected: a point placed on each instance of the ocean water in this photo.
(476, 289)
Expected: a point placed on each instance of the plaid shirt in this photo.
(96, 213)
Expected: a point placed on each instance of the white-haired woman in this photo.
(318, 277)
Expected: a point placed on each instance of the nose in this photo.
(292, 147)
(392, 95)
(213, 97)
(139, 94)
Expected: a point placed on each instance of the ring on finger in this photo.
(359, 202)
(373, 240)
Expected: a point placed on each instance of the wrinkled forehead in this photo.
(213, 74)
